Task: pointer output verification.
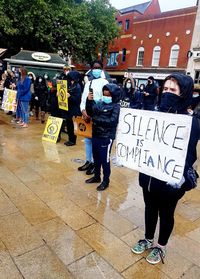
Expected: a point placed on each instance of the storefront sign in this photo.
(157, 76)
(41, 56)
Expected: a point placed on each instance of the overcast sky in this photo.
(165, 5)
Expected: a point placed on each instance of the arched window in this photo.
(156, 56)
(174, 56)
(140, 56)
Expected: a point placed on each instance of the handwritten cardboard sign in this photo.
(9, 100)
(153, 143)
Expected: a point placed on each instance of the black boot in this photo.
(69, 143)
(103, 186)
(42, 117)
(93, 179)
(84, 167)
(90, 170)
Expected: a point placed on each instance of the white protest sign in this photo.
(154, 143)
(9, 100)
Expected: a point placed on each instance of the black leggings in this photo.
(160, 204)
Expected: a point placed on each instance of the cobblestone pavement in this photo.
(53, 225)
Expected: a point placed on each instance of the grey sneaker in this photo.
(156, 255)
(141, 246)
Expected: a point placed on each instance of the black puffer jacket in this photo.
(153, 184)
(40, 90)
(152, 89)
(105, 117)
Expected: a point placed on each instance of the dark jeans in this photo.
(160, 204)
(70, 130)
(101, 148)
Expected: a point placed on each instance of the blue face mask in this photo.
(96, 73)
(107, 99)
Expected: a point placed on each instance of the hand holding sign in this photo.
(154, 143)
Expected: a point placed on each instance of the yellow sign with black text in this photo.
(52, 129)
(62, 94)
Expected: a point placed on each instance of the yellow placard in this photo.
(52, 129)
(9, 100)
(62, 94)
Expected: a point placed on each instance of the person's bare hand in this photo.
(90, 96)
(86, 117)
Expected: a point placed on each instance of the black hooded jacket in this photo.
(74, 99)
(186, 89)
(41, 90)
(105, 117)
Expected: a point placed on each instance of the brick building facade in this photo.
(151, 42)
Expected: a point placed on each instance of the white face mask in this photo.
(195, 95)
(40, 80)
(128, 85)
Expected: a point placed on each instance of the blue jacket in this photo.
(23, 90)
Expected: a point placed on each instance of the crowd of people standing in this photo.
(99, 100)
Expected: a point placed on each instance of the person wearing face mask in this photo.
(105, 116)
(95, 86)
(74, 100)
(150, 94)
(32, 101)
(161, 198)
(131, 97)
(40, 95)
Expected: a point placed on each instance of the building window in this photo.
(112, 59)
(174, 56)
(156, 56)
(120, 23)
(197, 77)
(140, 56)
(123, 55)
(127, 24)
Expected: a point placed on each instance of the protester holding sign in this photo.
(105, 116)
(161, 197)
(74, 100)
(94, 85)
